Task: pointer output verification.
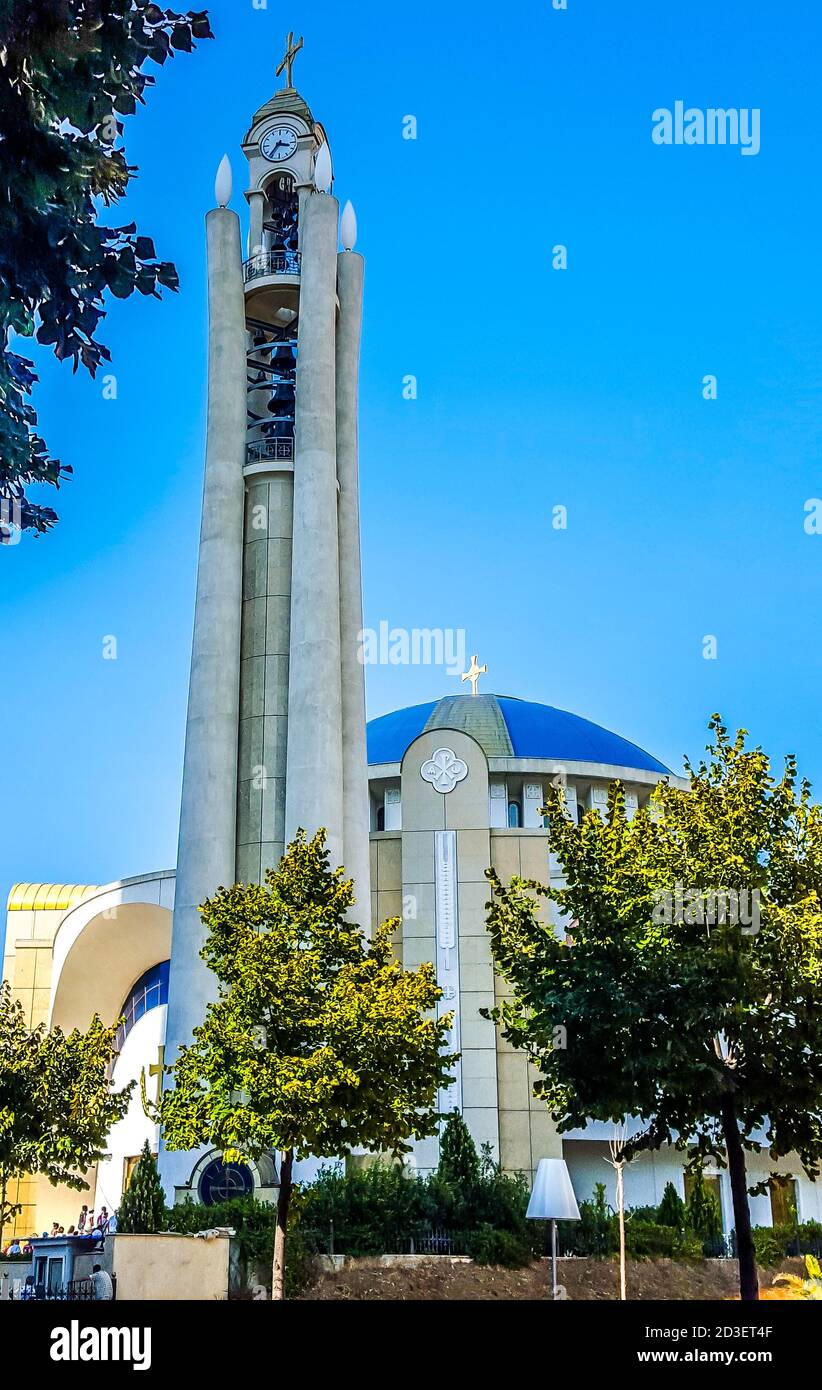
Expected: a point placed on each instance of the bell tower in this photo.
(275, 734)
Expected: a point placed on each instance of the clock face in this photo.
(279, 144)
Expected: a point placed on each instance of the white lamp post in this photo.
(552, 1199)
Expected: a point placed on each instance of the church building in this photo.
(417, 804)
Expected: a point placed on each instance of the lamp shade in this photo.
(552, 1196)
(224, 183)
(348, 227)
(323, 169)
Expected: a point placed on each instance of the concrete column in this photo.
(264, 679)
(205, 858)
(350, 274)
(314, 783)
(256, 202)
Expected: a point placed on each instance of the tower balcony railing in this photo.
(262, 450)
(266, 263)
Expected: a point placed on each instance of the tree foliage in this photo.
(709, 1032)
(319, 1041)
(459, 1162)
(143, 1208)
(702, 1211)
(671, 1208)
(56, 1100)
(69, 71)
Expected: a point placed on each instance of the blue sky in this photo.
(537, 388)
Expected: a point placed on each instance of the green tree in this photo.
(319, 1041)
(702, 1210)
(143, 1208)
(69, 70)
(459, 1162)
(56, 1101)
(706, 1029)
(671, 1210)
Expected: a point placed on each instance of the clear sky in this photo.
(538, 388)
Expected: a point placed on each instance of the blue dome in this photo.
(508, 728)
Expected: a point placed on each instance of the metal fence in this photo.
(272, 263)
(75, 1291)
(436, 1241)
(260, 450)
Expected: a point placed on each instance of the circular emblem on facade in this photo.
(223, 1181)
(444, 770)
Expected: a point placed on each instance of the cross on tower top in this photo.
(474, 674)
(287, 65)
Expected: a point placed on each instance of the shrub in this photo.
(652, 1240)
(489, 1247)
(643, 1214)
(459, 1163)
(372, 1211)
(671, 1211)
(596, 1232)
(768, 1245)
(703, 1215)
(143, 1210)
(808, 1236)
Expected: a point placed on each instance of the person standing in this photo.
(101, 1283)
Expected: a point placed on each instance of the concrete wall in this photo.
(126, 1139)
(171, 1268)
(462, 815)
(527, 1132)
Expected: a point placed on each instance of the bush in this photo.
(371, 1211)
(597, 1231)
(703, 1215)
(489, 1247)
(651, 1240)
(143, 1209)
(671, 1210)
(459, 1161)
(644, 1214)
(769, 1245)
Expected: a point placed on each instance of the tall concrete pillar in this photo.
(206, 851)
(314, 786)
(350, 275)
(256, 236)
(264, 678)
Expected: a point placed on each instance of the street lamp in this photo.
(552, 1199)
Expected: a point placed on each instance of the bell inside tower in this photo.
(272, 299)
(280, 224)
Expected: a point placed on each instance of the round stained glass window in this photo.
(221, 1182)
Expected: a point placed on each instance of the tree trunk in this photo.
(746, 1255)
(283, 1204)
(2, 1209)
(620, 1179)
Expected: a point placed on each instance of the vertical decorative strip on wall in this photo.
(448, 951)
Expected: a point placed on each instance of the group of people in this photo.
(88, 1225)
(19, 1247)
(97, 1227)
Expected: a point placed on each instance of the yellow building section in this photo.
(48, 897)
(28, 969)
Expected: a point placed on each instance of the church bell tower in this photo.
(275, 734)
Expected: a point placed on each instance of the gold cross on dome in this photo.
(474, 674)
(157, 1069)
(287, 65)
